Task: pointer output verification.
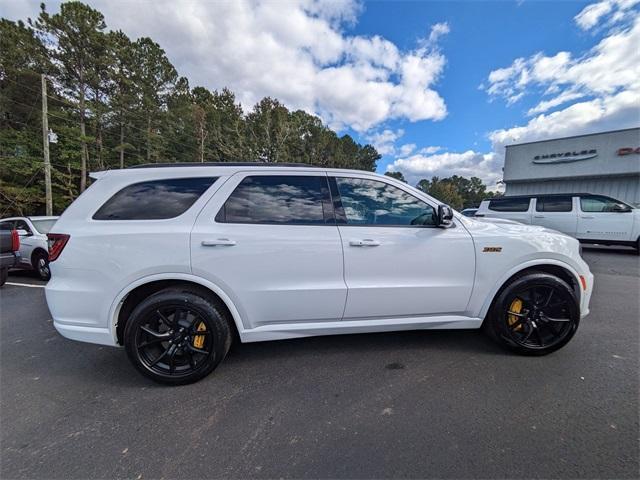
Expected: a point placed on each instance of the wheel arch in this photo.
(143, 288)
(37, 251)
(556, 268)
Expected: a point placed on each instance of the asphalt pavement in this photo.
(438, 404)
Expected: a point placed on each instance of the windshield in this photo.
(43, 226)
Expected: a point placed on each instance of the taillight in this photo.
(15, 241)
(57, 241)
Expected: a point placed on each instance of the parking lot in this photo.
(412, 404)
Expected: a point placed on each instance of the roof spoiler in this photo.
(98, 175)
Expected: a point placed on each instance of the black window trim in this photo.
(339, 207)
(121, 188)
(328, 214)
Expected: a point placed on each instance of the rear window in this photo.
(509, 204)
(155, 199)
(278, 199)
(554, 204)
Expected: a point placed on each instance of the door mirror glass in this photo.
(22, 233)
(445, 215)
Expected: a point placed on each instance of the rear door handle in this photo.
(220, 242)
(367, 242)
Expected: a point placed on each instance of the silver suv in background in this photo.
(588, 217)
(33, 242)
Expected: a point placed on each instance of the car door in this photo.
(397, 263)
(558, 212)
(28, 241)
(604, 218)
(270, 241)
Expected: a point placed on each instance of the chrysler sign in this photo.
(565, 157)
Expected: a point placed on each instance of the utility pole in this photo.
(45, 144)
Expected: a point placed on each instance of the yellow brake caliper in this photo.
(198, 340)
(516, 307)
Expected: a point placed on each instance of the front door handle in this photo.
(587, 216)
(367, 242)
(538, 216)
(220, 242)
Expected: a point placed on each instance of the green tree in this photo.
(76, 42)
(396, 175)
(155, 76)
(442, 190)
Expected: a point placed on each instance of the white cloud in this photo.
(593, 14)
(467, 164)
(384, 141)
(296, 51)
(407, 149)
(430, 150)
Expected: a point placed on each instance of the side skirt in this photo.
(298, 330)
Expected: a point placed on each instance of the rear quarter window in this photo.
(154, 199)
(509, 204)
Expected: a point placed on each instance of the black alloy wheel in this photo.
(535, 315)
(177, 337)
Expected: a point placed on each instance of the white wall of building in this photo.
(606, 163)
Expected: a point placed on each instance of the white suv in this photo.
(588, 217)
(174, 262)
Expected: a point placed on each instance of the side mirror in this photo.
(619, 207)
(22, 233)
(445, 215)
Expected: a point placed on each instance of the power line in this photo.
(24, 189)
(129, 112)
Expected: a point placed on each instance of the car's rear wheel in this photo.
(536, 314)
(40, 264)
(177, 336)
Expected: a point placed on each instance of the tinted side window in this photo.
(509, 204)
(154, 200)
(371, 202)
(279, 199)
(596, 203)
(554, 204)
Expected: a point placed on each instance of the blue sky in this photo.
(438, 87)
(483, 36)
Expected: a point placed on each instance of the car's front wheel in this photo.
(535, 314)
(177, 336)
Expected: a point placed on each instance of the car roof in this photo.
(222, 164)
(535, 195)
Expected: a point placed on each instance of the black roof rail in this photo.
(221, 164)
(532, 195)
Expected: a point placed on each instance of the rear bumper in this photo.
(101, 336)
(78, 304)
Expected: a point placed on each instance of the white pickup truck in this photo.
(590, 218)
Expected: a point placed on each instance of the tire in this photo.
(4, 273)
(536, 314)
(177, 336)
(40, 264)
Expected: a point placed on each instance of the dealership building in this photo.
(605, 163)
